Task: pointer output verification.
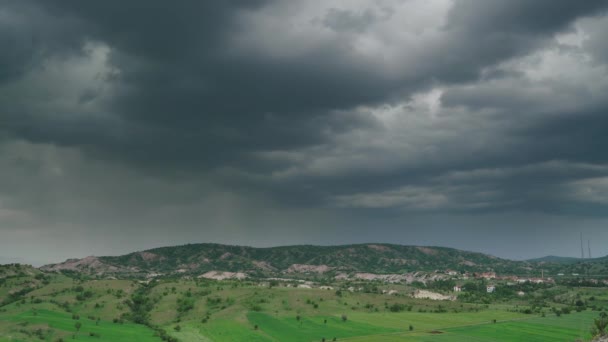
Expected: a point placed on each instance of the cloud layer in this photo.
(268, 122)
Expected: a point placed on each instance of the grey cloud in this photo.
(594, 30)
(521, 16)
(276, 109)
(341, 20)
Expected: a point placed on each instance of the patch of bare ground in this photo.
(220, 275)
(378, 247)
(147, 256)
(264, 265)
(303, 268)
(427, 250)
(431, 295)
(468, 263)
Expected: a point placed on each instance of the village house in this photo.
(490, 288)
(486, 275)
(451, 272)
(457, 288)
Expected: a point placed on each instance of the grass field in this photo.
(55, 325)
(229, 311)
(427, 327)
(534, 329)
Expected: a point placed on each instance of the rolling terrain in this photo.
(56, 307)
(264, 262)
(367, 292)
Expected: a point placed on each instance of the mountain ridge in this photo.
(271, 261)
(555, 259)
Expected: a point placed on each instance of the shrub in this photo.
(599, 325)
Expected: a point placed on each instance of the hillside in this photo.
(555, 259)
(17, 280)
(572, 267)
(59, 308)
(291, 260)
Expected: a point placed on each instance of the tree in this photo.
(344, 318)
(78, 325)
(599, 325)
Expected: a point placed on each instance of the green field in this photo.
(433, 327)
(200, 310)
(55, 325)
(535, 329)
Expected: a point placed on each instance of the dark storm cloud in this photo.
(597, 46)
(520, 16)
(488, 32)
(183, 84)
(177, 73)
(28, 35)
(341, 20)
(388, 108)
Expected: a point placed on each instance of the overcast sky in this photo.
(126, 125)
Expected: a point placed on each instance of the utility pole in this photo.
(582, 250)
(589, 247)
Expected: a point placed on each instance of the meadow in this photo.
(59, 308)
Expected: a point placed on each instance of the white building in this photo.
(490, 288)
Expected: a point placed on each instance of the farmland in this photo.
(61, 308)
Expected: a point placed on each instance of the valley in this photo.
(319, 299)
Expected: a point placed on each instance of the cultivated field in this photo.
(60, 308)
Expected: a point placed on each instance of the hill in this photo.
(556, 260)
(194, 259)
(60, 308)
(573, 267)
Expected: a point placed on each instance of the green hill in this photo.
(59, 308)
(555, 259)
(287, 260)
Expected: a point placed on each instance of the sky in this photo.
(474, 124)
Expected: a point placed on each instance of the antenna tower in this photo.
(582, 250)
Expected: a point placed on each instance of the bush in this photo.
(599, 325)
(396, 307)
